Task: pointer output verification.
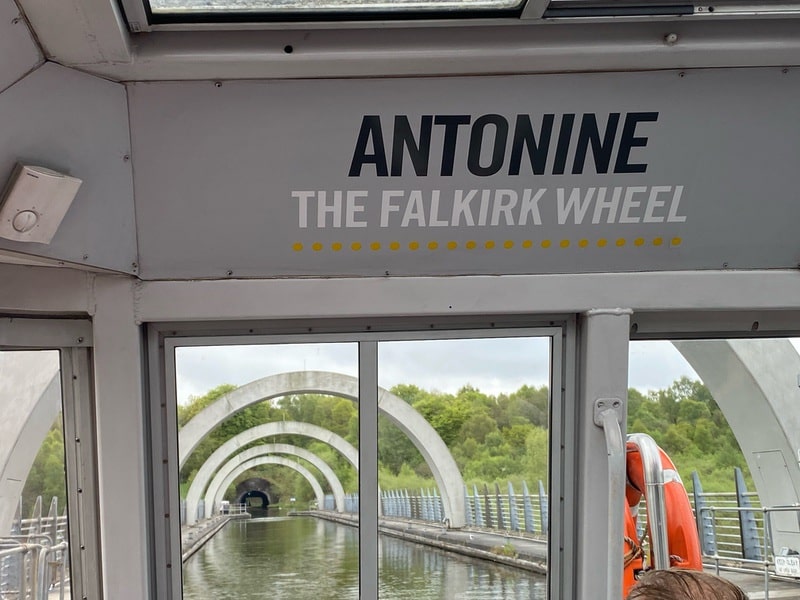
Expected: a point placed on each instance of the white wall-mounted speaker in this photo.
(34, 203)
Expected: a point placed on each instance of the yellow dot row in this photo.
(491, 244)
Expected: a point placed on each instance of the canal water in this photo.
(298, 558)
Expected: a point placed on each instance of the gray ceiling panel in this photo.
(75, 124)
(18, 52)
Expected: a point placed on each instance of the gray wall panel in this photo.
(76, 124)
(216, 166)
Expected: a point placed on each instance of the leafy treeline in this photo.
(492, 438)
(47, 477)
(688, 424)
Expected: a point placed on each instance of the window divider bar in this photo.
(81, 470)
(368, 469)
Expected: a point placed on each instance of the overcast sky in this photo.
(491, 365)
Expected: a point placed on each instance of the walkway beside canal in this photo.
(522, 552)
(194, 536)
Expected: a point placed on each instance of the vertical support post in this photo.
(428, 505)
(543, 506)
(705, 525)
(512, 508)
(600, 474)
(52, 521)
(748, 529)
(368, 469)
(488, 506)
(501, 521)
(153, 540)
(478, 512)
(16, 526)
(467, 508)
(36, 517)
(527, 507)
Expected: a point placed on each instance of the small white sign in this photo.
(787, 565)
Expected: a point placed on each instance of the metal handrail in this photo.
(654, 496)
(33, 582)
(607, 417)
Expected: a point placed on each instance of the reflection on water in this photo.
(413, 571)
(303, 558)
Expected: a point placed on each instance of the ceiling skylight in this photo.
(348, 7)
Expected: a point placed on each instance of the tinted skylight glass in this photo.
(189, 7)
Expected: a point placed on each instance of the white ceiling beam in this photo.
(74, 32)
(463, 50)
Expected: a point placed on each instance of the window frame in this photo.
(72, 338)
(161, 409)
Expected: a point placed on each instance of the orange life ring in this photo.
(682, 536)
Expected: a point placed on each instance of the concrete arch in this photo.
(236, 443)
(33, 380)
(755, 384)
(223, 484)
(419, 431)
(272, 449)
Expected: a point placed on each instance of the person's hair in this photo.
(682, 584)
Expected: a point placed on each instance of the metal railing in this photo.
(232, 509)
(766, 563)
(504, 510)
(30, 571)
(34, 556)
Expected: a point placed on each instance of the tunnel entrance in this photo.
(254, 499)
(255, 494)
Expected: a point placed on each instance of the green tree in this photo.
(47, 476)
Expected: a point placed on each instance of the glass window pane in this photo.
(33, 496)
(277, 467)
(463, 451)
(724, 412)
(350, 7)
